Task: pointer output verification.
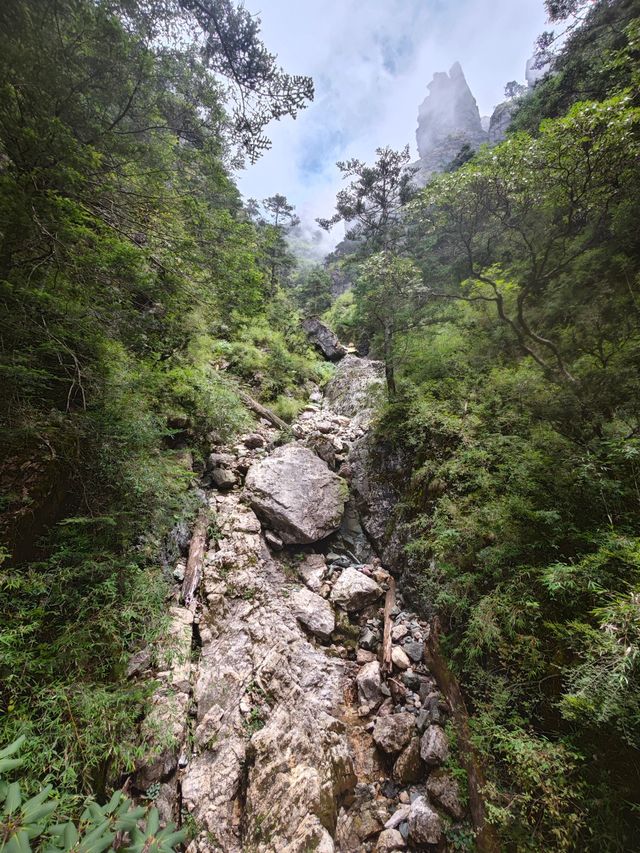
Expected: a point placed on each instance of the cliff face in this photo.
(448, 119)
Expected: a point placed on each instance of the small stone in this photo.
(253, 440)
(425, 826)
(404, 797)
(273, 540)
(434, 747)
(364, 656)
(389, 840)
(422, 719)
(223, 478)
(393, 732)
(398, 817)
(368, 685)
(178, 572)
(414, 651)
(353, 590)
(389, 789)
(399, 658)
(399, 632)
(369, 639)
(313, 570)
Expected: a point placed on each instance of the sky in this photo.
(371, 61)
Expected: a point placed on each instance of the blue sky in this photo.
(371, 61)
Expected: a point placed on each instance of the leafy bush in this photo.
(117, 825)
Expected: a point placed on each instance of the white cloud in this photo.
(371, 61)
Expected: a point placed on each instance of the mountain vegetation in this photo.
(141, 300)
(137, 297)
(512, 371)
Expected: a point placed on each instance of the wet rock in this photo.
(297, 494)
(368, 683)
(425, 826)
(393, 733)
(313, 612)
(443, 790)
(353, 590)
(389, 840)
(399, 658)
(434, 747)
(409, 766)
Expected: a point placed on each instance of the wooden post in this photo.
(389, 604)
(197, 547)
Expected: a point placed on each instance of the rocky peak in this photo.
(448, 118)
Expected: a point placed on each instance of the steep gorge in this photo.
(290, 731)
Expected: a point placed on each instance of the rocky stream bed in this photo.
(278, 723)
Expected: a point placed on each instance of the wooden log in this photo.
(486, 837)
(389, 604)
(262, 411)
(195, 560)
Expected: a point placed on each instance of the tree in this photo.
(513, 89)
(370, 206)
(313, 290)
(275, 218)
(547, 202)
(388, 289)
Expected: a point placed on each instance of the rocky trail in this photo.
(291, 715)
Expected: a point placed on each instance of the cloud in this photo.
(371, 61)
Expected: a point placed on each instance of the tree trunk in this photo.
(389, 371)
(486, 838)
(195, 559)
(262, 411)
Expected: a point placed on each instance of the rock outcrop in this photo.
(296, 494)
(324, 339)
(448, 119)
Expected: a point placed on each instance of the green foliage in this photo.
(516, 415)
(117, 825)
(126, 265)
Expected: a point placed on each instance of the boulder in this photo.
(443, 790)
(434, 747)
(223, 478)
(324, 339)
(296, 494)
(400, 658)
(253, 440)
(393, 733)
(390, 839)
(399, 816)
(425, 826)
(313, 613)
(409, 767)
(353, 590)
(368, 683)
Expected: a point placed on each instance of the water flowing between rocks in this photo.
(275, 726)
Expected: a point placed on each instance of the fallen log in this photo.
(389, 604)
(262, 411)
(197, 547)
(486, 838)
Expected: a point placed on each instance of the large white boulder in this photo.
(295, 493)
